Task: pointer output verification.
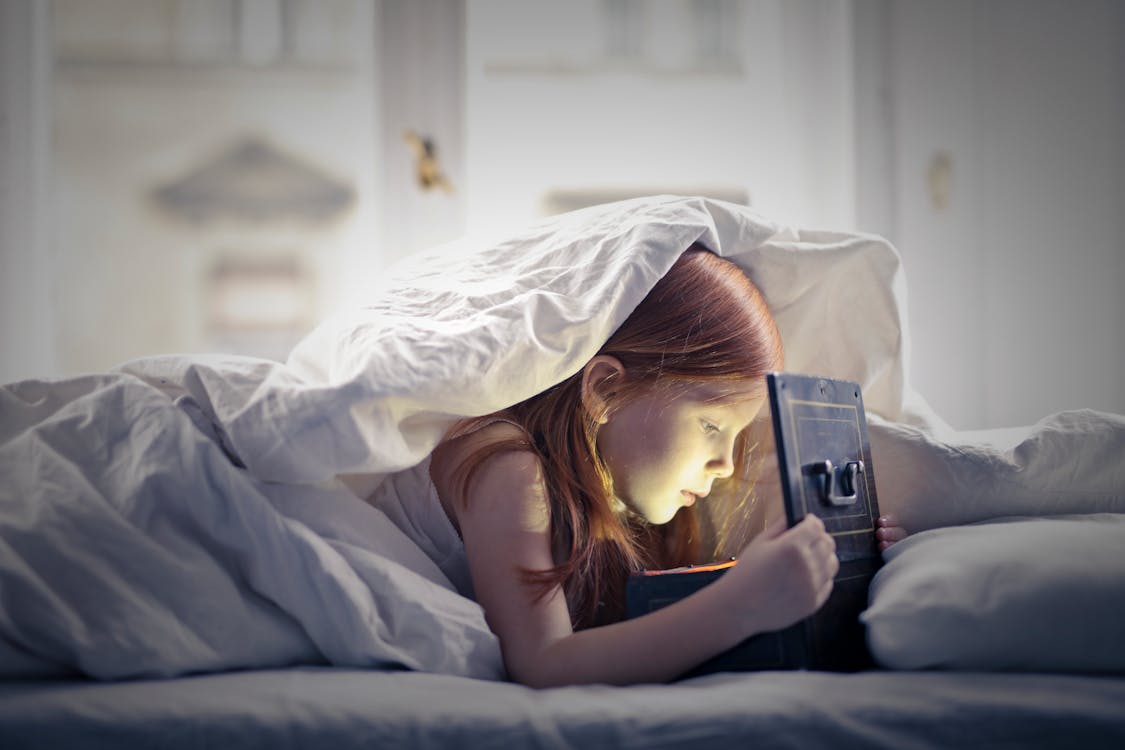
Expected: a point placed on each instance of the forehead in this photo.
(727, 391)
(743, 398)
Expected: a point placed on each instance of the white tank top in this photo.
(410, 500)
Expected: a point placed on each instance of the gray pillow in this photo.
(1019, 594)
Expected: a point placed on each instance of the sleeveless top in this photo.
(410, 500)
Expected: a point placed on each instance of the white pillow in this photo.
(1067, 463)
(1019, 594)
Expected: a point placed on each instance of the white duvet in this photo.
(183, 514)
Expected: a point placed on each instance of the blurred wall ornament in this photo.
(253, 180)
(257, 305)
(426, 168)
(248, 293)
(940, 179)
(260, 214)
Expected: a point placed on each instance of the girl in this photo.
(558, 498)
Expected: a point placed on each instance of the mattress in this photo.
(341, 708)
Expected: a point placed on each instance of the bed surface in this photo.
(339, 709)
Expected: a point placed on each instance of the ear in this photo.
(599, 377)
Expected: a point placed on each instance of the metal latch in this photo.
(847, 481)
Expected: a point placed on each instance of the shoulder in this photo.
(508, 478)
(510, 444)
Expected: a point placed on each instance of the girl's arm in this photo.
(782, 576)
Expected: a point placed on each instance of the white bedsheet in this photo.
(342, 709)
(183, 513)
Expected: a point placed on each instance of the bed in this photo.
(348, 708)
(185, 561)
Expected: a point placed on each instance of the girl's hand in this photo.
(783, 575)
(889, 532)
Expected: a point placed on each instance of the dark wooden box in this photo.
(824, 457)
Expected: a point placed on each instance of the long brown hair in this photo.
(703, 321)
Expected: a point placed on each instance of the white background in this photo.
(983, 138)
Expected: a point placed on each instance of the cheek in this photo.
(637, 460)
(662, 465)
(630, 464)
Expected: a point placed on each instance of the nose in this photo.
(722, 466)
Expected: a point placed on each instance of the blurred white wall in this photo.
(983, 138)
(420, 60)
(709, 98)
(140, 96)
(27, 343)
(992, 156)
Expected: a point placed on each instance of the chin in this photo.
(655, 514)
(664, 517)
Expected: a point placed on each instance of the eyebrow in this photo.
(716, 395)
(733, 401)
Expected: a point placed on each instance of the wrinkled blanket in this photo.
(185, 514)
(133, 543)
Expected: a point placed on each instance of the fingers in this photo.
(823, 550)
(891, 534)
(818, 548)
(885, 544)
(810, 531)
(808, 528)
(827, 565)
(824, 592)
(833, 567)
(794, 569)
(820, 553)
(890, 529)
(813, 521)
(832, 562)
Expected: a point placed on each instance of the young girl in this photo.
(558, 498)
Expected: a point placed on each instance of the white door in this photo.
(991, 154)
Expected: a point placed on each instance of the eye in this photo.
(708, 427)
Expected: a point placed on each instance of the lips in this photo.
(690, 497)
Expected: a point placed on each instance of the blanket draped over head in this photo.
(184, 513)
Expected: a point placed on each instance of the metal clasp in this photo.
(847, 481)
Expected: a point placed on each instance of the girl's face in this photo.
(664, 449)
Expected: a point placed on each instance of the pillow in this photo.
(1018, 594)
(1066, 463)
